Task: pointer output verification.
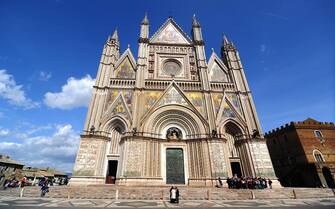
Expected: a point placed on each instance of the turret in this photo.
(196, 32)
(142, 63)
(225, 47)
(144, 34)
(231, 58)
(199, 46)
(110, 54)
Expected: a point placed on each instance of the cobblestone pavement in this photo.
(25, 202)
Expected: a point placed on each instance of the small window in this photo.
(318, 134)
(318, 156)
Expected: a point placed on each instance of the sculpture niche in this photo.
(174, 133)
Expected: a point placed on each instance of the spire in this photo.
(227, 44)
(195, 23)
(144, 32)
(196, 32)
(224, 40)
(115, 35)
(145, 20)
(113, 38)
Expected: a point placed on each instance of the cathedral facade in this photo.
(170, 116)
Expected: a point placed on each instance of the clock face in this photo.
(172, 68)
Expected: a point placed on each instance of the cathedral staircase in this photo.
(162, 193)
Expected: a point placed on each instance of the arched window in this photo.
(318, 156)
(318, 134)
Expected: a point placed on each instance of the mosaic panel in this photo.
(217, 74)
(173, 97)
(119, 108)
(128, 97)
(170, 35)
(196, 98)
(217, 99)
(228, 112)
(112, 94)
(234, 100)
(127, 94)
(125, 70)
(150, 98)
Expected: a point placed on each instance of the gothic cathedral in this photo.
(170, 116)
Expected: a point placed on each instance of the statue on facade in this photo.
(255, 134)
(214, 133)
(92, 129)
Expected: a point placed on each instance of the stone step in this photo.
(162, 193)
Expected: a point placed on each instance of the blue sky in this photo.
(50, 49)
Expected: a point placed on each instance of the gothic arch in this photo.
(117, 123)
(233, 126)
(177, 115)
(230, 129)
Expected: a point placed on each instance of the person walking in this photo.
(23, 182)
(44, 186)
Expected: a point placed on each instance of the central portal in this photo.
(175, 166)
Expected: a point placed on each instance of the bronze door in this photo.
(175, 166)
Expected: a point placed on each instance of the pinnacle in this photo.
(115, 35)
(145, 20)
(195, 23)
(225, 40)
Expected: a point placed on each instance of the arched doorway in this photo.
(328, 176)
(232, 132)
(116, 128)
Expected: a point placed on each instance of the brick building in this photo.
(303, 153)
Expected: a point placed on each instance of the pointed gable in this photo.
(171, 33)
(125, 66)
(218, 72)
(228, 110)
(173, 95)
(119, 106)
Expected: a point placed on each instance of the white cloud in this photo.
(14, 93)
(57, 150)
(4, 132)
(75, 93)
(44, 76)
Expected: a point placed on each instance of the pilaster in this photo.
(202, 67)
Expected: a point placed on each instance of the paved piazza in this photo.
(16, 202)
